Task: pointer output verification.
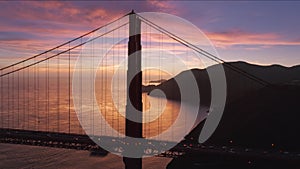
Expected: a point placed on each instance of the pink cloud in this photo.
(165, 6)
(64, 20)
(237, 37)
(159, 4)
(58, 11)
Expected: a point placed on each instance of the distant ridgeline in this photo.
(255, 115)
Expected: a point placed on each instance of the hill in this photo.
(255, 115)
(237, 84)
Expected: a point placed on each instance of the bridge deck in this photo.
(83, 142)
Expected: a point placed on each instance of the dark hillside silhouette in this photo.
(255, 115)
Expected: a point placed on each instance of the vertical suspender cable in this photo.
(13, 100)
(45, 102)
(18, 99)
(24, 100)
(34, 94)
(48, 92)
(28, 100)
(69, 86)
(80, 86)
(58, 93)
(2, 104)
(38, 97)
(8, 100)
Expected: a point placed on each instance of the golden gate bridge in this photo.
(36, 93)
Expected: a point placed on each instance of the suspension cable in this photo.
(204, 53)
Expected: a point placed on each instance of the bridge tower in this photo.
(134, 103)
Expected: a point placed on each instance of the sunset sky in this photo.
(256, 32)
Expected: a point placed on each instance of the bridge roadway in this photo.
(185, 147)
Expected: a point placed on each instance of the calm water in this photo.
(44, 105)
